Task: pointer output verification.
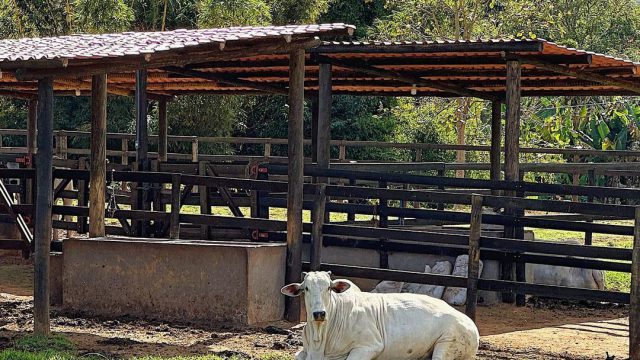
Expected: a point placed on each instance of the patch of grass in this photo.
(35, 343)
(57, 347)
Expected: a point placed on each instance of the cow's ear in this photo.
(340, 286)
(292, 290)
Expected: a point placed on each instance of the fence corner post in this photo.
(473, 272)
(174, 223)
(316, 230)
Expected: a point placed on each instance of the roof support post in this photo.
(296, 179)
(44, 200)
(32, 116)
(142, 144)
(496, 139)
(323, 146)
(98, 173)
(511, 153)
(162, 130)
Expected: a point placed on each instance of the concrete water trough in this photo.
(174, 280)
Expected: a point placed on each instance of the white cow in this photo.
(565, 276)
(364, 326)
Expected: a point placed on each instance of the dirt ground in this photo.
(544, 329)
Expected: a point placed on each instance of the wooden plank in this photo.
(318, 223)
(98, 163)
(296, 178)
(162, 130)
(42, 227)
(473, 272)
(174, 232)
(634, 310)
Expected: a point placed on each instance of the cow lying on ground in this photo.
(355, 325)
(565, 276)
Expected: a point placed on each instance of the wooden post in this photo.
(473, 272)
(162, 130)
(98, 173)
(318, 223)
(634, 311)
(31, 127)
(267, 151)
(383, 223)
(205, 206)
(142, 145)
(142, 130)
(342, 153)
(441, 173)
(174, 224)
(512, 153)
(295, 178)
(32, 117)
(194, 149)
(44, 200)
(83, 196)
(324, 119)
(124, 160)
(496, 140)
(314, 130)
(588, 236)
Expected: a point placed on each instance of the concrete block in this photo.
(56, 266)
(175, 280)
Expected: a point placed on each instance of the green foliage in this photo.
(219, 13)
(297, 11)
(102, 16)
(361, 13)
(201, 115)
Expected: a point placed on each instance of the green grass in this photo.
(57, 347)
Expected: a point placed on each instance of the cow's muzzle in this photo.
(319, 315)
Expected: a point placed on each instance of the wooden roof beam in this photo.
(226, 79)
(365, 68)
(115, 89)
(578, 74)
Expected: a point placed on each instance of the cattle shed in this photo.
(310, 61)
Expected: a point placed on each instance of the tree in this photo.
(101, 16)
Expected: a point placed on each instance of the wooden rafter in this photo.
(578, 74)
(226, 79)
(367, 69)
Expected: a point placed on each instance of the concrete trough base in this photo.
(174, 280)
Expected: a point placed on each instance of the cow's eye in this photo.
(306, 288)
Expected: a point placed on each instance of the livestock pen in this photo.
(289, 60)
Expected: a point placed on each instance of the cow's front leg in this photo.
(364, 354)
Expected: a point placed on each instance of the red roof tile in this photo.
(141, 43)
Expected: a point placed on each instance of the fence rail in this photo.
(381, 201)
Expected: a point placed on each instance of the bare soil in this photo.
(544, 329)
